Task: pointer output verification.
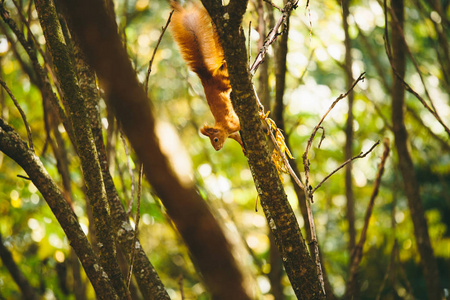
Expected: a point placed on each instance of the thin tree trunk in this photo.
(411, 186)
(348, 149)
(19, 278)
(282, 221)
(146, 276)
(84, 142)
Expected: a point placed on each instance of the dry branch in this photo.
(358, 250)
(22, 113)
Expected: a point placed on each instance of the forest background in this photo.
(198, 225)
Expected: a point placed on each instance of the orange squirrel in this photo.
(199, 45)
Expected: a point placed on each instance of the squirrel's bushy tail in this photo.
(197, 39)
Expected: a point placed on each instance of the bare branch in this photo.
(136, 226)
(150, 63)
(313, 134)
(22, 113)
(358, 250)
(361, 155)
(130, 171)
(314, 245)
(273, 34)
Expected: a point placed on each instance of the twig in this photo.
(136, 226)
(314, 245)
(432, 111)
(274, 141)
(38, 48)
(273, 5)
(24, 177)
(130, 204)
(322, 137)
(389, 269)
(180, 284)
(358, 250)
(273, 34)
(361, 155)
(150, 63)
(313, 134)
(249, 48)
(22, 113)
(413, 60)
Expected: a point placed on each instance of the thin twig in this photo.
(273, 34)
(249, 48)
(38, 48)
(322, 137)
(273, 5)
(389, 269)
(313, 134)
(180, 284)
(314, 245)
(361, 155)
(150, 63)
(413, 60)
(130, 171)
(274, 141)
(24, 177)
(136, 226)
(358, 250)
(432, 111)
(22, 113)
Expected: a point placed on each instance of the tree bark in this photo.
(282, 221)
(411, 186)
(146, 276)
(84, 142)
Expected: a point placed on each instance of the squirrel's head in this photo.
(216, 135)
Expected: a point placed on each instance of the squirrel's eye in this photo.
(216, 140)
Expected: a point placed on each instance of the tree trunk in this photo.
(282, 221)
(411, 185)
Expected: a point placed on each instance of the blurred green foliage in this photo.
(316, 48)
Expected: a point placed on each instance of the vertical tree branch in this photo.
(357, 252)
(19, 278)
(282, 221)
(411, 185)
(146, 276)
(348, 148)
(84, 143)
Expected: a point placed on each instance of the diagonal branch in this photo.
(361, 155)
(14, 147)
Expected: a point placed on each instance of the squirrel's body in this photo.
(199, 45)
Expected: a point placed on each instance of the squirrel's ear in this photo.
(208, 131)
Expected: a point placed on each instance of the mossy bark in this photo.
(282, 221)
(84, 142)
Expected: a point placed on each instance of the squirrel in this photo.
(197, 39)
